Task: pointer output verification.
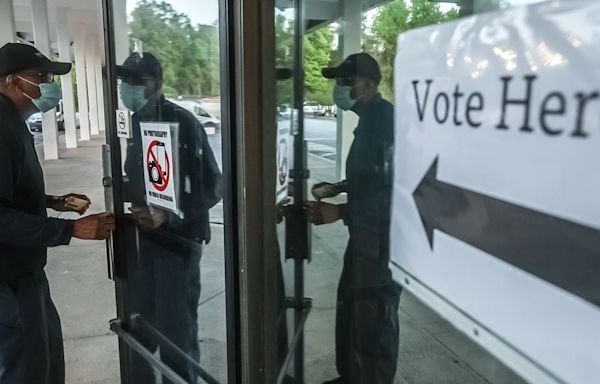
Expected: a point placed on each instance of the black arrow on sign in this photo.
(558, 251)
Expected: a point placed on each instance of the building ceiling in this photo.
(323, 12)
(85, 10)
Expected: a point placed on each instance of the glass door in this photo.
(364, 327)
(167, 183)
(293, 230)
(222, 138)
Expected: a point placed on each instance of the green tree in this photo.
(393, 19)
(208, 40)
(284, 57)
(317, 55)
(189, 54)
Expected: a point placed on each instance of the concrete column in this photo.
(64, 50)
(90, 67)
(121, 31)
(41, 32)
(351, 34)
(100, 85)
(80, 68)
(101, 69)
(8, 32)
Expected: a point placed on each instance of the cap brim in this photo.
(133, 71)
(55, 67)
(123, 70)
(330, 73)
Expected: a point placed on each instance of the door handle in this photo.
(109, 204)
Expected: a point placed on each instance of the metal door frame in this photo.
(252, 70)
(248, 27)
(247, 46)
(116, 247)
(248, 59)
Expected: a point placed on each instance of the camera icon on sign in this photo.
(155, 173)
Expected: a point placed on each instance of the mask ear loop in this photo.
(30, 82)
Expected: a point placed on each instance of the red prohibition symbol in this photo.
(159, 176)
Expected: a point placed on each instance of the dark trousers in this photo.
(367, 330)
(31, 345)
(166, 290)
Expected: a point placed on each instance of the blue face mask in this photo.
(50, 95)
(342, 98)
(133, 96)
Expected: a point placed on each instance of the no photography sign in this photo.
(159, 165)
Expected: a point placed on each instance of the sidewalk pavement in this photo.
(432, 351)
(85, 297)
(82, 292)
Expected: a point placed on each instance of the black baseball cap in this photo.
(358, 64)
(17, 57)
(141, 65)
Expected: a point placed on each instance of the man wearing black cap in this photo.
(367, 329)
(166, 285)
(31, 349)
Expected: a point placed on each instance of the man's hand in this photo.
(325, 190)
(72, 202)
(94, 227)
(282, 209)
(147, 219)
(323, 213)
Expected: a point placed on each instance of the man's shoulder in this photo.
(181, 114)
(189, 126)
(380, 114)
(7, 111)
(379, 109)
(384, 106)
(9, 125)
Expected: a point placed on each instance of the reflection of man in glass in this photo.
(367, 328)
(165, 286)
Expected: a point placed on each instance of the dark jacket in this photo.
(197, 165)
(25, 229)
(369, 185)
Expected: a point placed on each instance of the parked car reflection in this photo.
(34, 122)
(210, 122)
